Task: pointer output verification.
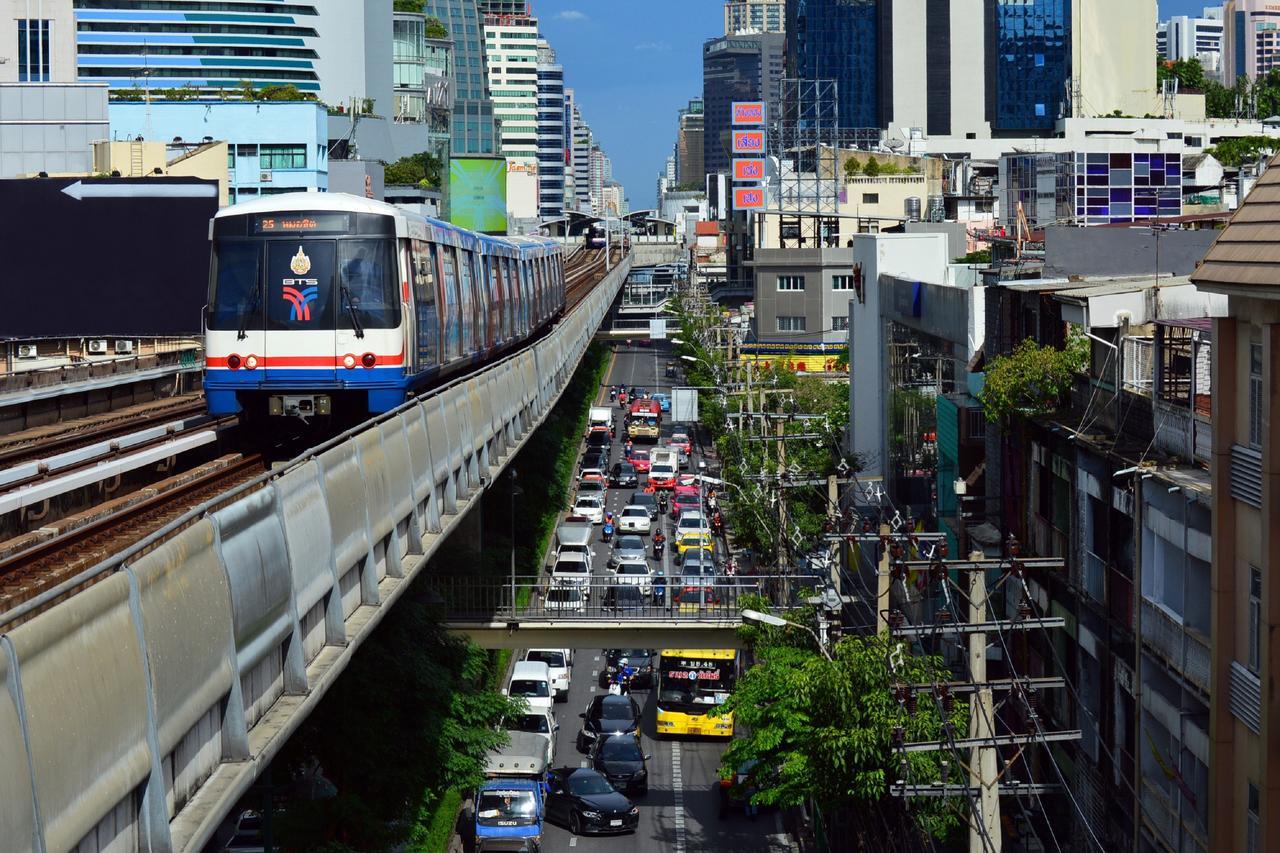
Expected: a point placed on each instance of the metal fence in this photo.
(467, 598)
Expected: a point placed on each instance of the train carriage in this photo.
(325, 303)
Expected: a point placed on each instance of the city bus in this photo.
(692, 682)
(646, 420)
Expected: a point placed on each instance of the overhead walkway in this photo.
(691, 612)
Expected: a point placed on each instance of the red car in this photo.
(683, 501)
(681, 440)
(640, 461)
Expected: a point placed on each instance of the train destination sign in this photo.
(301, 223)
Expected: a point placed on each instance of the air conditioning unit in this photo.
(97, 347)
(264, 176)
(124, 347)
(28, 351)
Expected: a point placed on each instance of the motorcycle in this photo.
(606, 531)
(717, 524)
(659, 545)
(662, 503)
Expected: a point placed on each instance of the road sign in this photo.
(748, 169)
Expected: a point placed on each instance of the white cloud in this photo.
(572, 15)
(653, 46)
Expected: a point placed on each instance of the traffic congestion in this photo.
(616, 750)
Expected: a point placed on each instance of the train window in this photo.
(368, 285)
(424, 288)
(466, 310)
(300, 285)
(504, 297)
(236, 298)
(424, 280)
(452, 327)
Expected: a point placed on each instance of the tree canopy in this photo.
(1032, 379)
(422, 170)
(818, 730)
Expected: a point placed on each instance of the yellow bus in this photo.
(692, 682)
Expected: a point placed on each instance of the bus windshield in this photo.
(694, 684)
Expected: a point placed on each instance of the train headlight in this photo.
(233, 361)
(348, 361)
(251, 361)
(368, 359)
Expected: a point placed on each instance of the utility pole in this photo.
(784, 552)
(982, 760)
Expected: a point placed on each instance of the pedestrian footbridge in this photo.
(692, 612)
(140, 699)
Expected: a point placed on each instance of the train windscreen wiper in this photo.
(351, 312)
(242, 331)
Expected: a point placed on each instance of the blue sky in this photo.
(632, 64)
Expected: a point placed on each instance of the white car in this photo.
(590, 506)
(560, 662)
(538, 721)
(565, 598)
(634, 519)
(531, 681)
(636, 573)
(691, 521)
(572, 569)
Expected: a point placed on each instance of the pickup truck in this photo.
(510, 805)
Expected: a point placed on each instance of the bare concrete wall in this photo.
(1122, 251)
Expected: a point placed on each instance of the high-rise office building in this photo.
(1185, 37)
(511, 62)
(754, 16)
(551, 134)
(597, 168)
(839, 40)
(1031, 64)
(137, 44)
(735, 68)
(582, 143)
(690, 168)
(936, 78)
(474, 130)
(1251, 42)
(422, 71)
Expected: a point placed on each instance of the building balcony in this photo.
(1184, 650)
(1172, 370)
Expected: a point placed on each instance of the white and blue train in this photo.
(331, 304)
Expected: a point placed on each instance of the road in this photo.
(680, 811)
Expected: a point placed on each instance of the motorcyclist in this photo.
(606, 529)
(613, 393)
(662, 503)
(717, 523)
(659, 544)
(659, 583)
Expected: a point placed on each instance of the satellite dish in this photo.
(894, 144)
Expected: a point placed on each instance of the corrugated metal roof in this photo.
(1203, 324)
(1247, 252)
(1106, 288)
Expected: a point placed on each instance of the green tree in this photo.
(422, 170)
(1234, 151)
(1188, 72)
(436, 29)
(980, 256)
(407, 5)
(287, 92)
(1032, 379)
(820, 731)
(873, 167)
(852, 167)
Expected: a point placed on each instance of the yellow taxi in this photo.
(694, 539)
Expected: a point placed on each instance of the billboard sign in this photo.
(748, 169)
(748, 142)
(478, 193)
(748, 198)
(684, 405)
(748, 112)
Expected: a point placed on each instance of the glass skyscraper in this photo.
(838, 40)
(1032, 46)
(134, 45)
(473, 129)
(551, 134)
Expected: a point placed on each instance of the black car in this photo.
(641, 659)
(599, 441)
(646, 500)
(594, 459)
(622, 474)
(624, 598)
(622, 761)
(608, 715)
(582, 799)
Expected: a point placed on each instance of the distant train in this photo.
(596, 237)
(332, 304)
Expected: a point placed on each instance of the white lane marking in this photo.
(582, 763)
(593, 688)
(677, 785)
(573, 841)
(596, 658)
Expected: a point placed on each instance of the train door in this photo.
(301, 302)
(466, 301)
(427, 317)
(451, 332)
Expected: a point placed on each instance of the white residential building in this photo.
(511, 57)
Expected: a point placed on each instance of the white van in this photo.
(572, 569)
(560, 662)
(531, 681)
(599, 416)
(574, 538)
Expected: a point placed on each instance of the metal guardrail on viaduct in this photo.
(137, 711)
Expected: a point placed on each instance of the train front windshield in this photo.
(302, 283)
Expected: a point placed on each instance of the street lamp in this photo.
(779, 622)
(515, 490)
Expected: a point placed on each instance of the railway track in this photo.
(41, 559)
(40, 444)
